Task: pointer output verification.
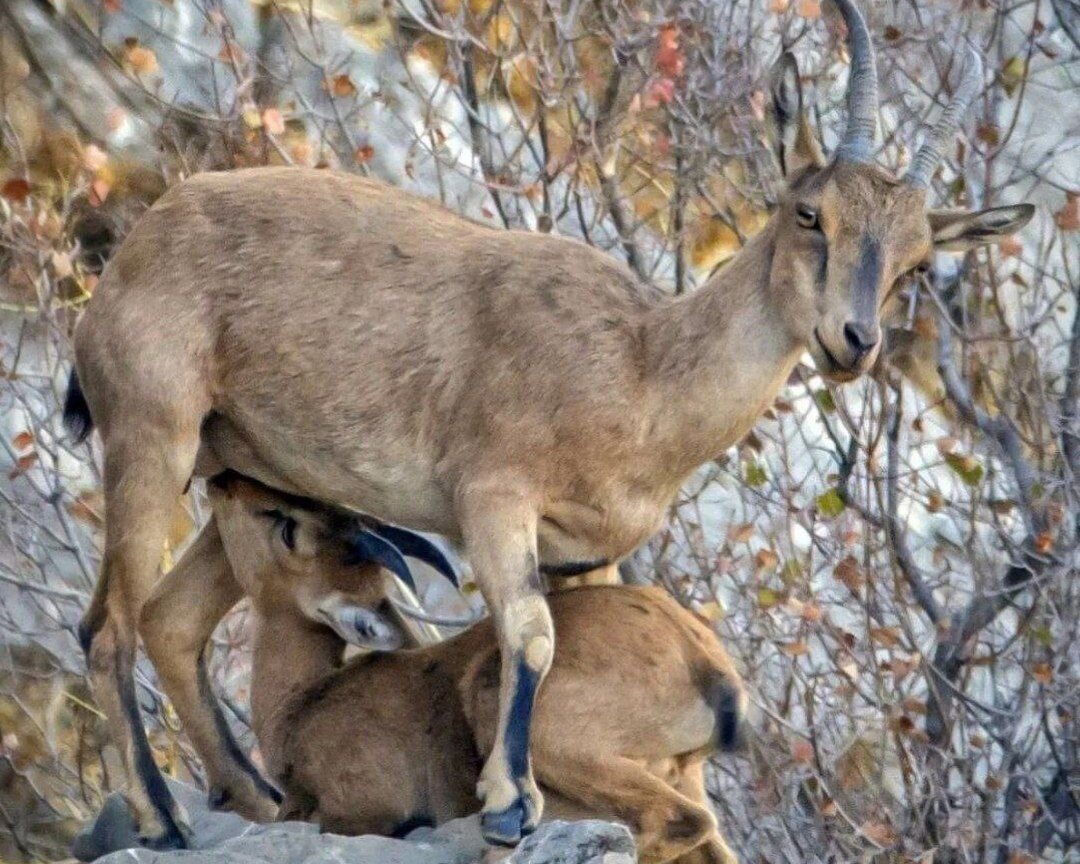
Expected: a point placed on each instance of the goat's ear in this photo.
(793, 141)
(959, 230)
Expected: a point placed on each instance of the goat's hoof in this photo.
(176, 835)
(219, 798)
(506, 827)
(173, 838)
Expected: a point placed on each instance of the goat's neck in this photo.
(716, 358)
(289, 656)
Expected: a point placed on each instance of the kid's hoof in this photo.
(506, 827)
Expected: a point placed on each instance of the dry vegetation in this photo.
(893, 563)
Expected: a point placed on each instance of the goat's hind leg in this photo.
(499, 528)
(666, 824)
(715, 849)
(177, 622)
(146, 469)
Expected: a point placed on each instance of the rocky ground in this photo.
(225, 838)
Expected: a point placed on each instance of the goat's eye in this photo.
(806, 216)
(921, 269)
(284, 525)
(287, 529)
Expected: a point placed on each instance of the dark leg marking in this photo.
(507, 826)
(520, 719)
(532, 575)
(231, 745)
(88, 628)
(161, 798)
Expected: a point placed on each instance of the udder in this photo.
(574, 532)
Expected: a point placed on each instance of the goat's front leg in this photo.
(499, 528)
(176, 624)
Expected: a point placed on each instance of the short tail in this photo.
(729, 707)
(77, 419)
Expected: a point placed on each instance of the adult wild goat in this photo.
(522, 394)
(640, 692)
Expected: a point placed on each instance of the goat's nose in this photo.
(861, 338)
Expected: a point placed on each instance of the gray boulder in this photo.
(225, 838)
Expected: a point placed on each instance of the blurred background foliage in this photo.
(892, 563)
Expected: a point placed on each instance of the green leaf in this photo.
(825, 401)
(968, 469)
(755, 475)
(831, 504)
(1012, 74)
(791, 572)
(768, 597)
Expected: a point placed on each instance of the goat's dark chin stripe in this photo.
(573, 568)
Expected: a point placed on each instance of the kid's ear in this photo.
(357, 624)
(960, 230)
(793, 141)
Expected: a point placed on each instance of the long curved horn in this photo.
(933, 149)
(419, 547)
(862, 99)
(367, 546)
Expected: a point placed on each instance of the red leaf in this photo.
(766, 559)
(1010, 247)
(231, 53)
(1068, 217)
(740, 533)
(16, 190)
(881, 833)
(22, 464)
(340, 85)
(669, 56)
(849, 572)
(660, 92)
(23, 440)
(802, 752)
